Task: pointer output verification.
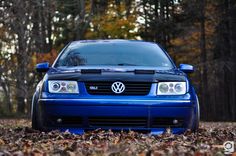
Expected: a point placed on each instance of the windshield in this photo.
(114, 54)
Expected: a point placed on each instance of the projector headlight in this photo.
(55, 86)
(171, 88)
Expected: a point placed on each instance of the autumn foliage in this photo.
(45, 57)
(198, 32)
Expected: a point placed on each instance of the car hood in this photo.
(116, 73)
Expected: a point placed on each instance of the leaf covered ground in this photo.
(17, 138)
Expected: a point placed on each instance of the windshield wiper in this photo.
(126, 64)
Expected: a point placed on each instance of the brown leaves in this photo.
(26, 141)
(2, 142)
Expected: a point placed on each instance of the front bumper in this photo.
(151, 115)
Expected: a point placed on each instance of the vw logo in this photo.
(118, 87)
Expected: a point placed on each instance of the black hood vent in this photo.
(144, 71)
(91, 71)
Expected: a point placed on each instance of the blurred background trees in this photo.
(198, 32)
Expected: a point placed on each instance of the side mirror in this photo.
(42, 67)
(186, 68)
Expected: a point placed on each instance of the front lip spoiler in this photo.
(153, 131)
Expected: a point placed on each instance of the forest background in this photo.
(197, 32)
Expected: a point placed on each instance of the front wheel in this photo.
(197, 116)
(35, 122)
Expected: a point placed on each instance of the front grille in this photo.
(114, 122)
(167, 122)
(131, 88)
(124, 122)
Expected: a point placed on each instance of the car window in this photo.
(115, 54)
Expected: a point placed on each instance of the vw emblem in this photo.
(118, 87)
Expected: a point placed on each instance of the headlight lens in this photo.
(55, 86)
(164, 88)
(171, 88)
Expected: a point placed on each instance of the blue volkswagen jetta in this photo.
(115, 84)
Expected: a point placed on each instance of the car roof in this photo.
(110, 41)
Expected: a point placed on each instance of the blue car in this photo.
(117, 85)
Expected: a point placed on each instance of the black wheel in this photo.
(197, 116)
(36, 124)
(34, 121)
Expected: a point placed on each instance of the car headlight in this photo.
(171, 88)
(55, 86)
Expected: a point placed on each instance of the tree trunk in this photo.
(21, 71)
(204, 82)
(6, 91)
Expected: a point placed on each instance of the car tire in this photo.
(36, 124)
(197, 116)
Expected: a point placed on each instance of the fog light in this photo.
(59, 120)
(175, 121)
